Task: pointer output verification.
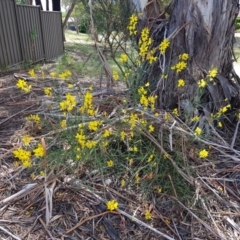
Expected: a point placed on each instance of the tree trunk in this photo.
(67, 17)
(204, 29)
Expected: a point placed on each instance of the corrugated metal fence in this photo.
(28, 34)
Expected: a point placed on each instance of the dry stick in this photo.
(16, 114)
(134, 219)
(90, 218)
(44, 225)
(9, 233)
(235, 134)
(24, 190)
(128, 216)
(200, 220)
(31, 228)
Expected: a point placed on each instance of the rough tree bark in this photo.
(205, 30)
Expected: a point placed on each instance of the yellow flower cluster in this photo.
(107, 133)
(203, 153)
(181, 83)
(212, 73)
(63, 124)
(39, 151)
(132, 26)
(69, 103)
(24, 156)
(179, 66)
(115, 75)
(202, 83)
(175, 112)
(222, 110)
(21, 84)
(26, 140)
(31, 73)
(110, 163)
(53, 74)
(48, 91)
(145, 100)
(123, 58)
(82, 140)
(147, 215)
(94, 125)
(182, 64)
(197, 131)
(87, 106)
(164, 45)
(34, 118)
(145, 43)
(112, 205)
(65, 75)
(183, 57)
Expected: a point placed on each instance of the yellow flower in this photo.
(150, 128)
(39, 151)
(197, 131)
(150, 158)
(133, 149)
(22, 154)
(42, 173)
(137, 178)
(147, 215)
(110, 163)
(132, 24)
(21, 84)
(195, 118)
(181, 83)
(203, 153)
(63, 123)
(142, 91)
(183, 57)
(123, 183)
(122, 135)
(180, 66)
(26, 140)
(175, 112)
(202, 83)
(212, 73)
(69, 103)
(166, 156)
(70, 85)
(93, 125)
(115, 75)
(31, 73)
(53, 74)
(107, 133)
(48, 91)
(123, 58)
(164, 45)
(90, 144)
(220, 124)
(35, 118)
(112, 205)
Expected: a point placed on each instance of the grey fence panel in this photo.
(10, 47)
(52, 34)
(30, 31)
(28, 34)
